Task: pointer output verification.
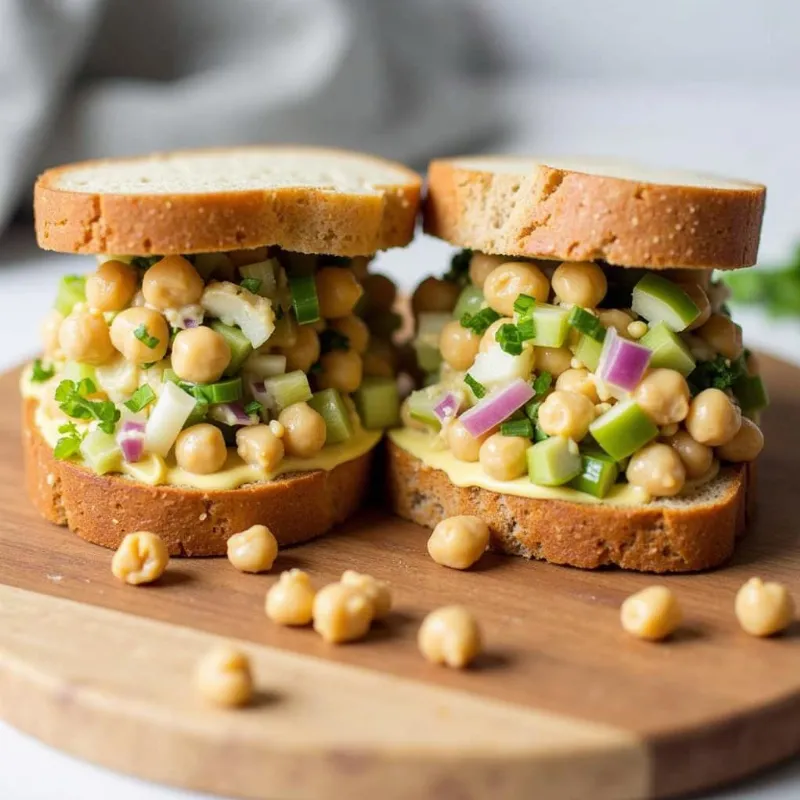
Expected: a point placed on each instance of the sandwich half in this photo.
(587, 393)
(226, 361)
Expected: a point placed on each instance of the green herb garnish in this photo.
(478, 389)
(542, 383)
(72, 400)
(251, 284)
(584, 322)
(721, 373)
(40, 373)
(141, 398)
(517, 427)
(69, 444)
(253, 407)
(524, 304)
(480, 321)
(333, 340)
(531, 409)
(509, 339)
(142, 334)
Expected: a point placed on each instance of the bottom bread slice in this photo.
(192, 522)
(681, 534)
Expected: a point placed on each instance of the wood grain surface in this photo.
(710, 706)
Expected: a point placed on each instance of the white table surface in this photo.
(32, 771)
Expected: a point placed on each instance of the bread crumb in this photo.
(203, 517)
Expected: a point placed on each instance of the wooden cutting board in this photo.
(562, 705)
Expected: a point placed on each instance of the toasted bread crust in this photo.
(300, 219)
(102, 509)
(648, 538)
(574, 216)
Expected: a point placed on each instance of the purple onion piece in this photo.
(496, 408)
(446, 407)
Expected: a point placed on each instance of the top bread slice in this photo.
(587, 210)
(306, 200)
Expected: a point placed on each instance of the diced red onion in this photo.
(447, 406)
(622, 362)
(131, 440)
(496, 408)
(189, 322)
(259, 392)
(232, 414)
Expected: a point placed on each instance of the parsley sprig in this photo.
(720, 373)
(40, 373)
(72, 399)
(69, 444)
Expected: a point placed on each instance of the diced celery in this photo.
(658, 299)
(426, 342)
(751, 393)
(378, 403)
(668, 349)
(553, 461)
(101, 452)
(287, 389)
(71, 290)
(551, 325)
(588, 352)
(264, 365)
(623, 430)
(421, 405)
(165, 422)
(77, 371)
(329, 404)
(267, 273)
(239, 344)
(469, 301)
(599, 472)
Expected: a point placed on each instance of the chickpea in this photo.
(304, 430)
(112, 286)
(504, 457)
(554, 360)
(458, 542)
(480, 265)
(463, 445)
(200, 355)
(356, 331)
(290, 601)
(745, 445)
(616, 318)
(664, 396)
(141, 557)
(342, 370)
(566, 414)
(580, 283)
(489, 337)
(764, 609)
(380, 291)
(451, 636)
(144, 321)
(506, 283)
(259, 446)
(201, 449)
(579, 381)
(697, 458)
(224, 677)
(84, 337)
(713, 418)
(459, 345)
(637, 329)
(658, 469)
(305, 350)
(434, 294)
(723, 335)
(699, 297)
(171, 283)
(253, 550)
(51, 325)
(341, 613)
(377, 592)
(338, 291)
(652, 614)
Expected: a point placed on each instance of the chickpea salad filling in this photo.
(579, 380)
(217, 370)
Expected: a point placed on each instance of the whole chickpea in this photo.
(580, 283)
(489, 337)
(723, 335)
(290, 601)
(141, 557)
(435, 294)
(171, 283)
(504, 457)
(480, 265)
(451, 636)
(304, 430)
(258, 446)
(651, 614)
(463, 445)
(201, 449)
(713, 419)
(699, 297)
(664, 396)
(50, 327)
(459, 345)
(566, 414)
(112, 286)
(554, 360)
(377, 592)
(658, 469)
(342, 370)
(618, 319)
(83, 336)
(458, 542)
(579, 381)
(305, 350)
(200, 355)
(745, 445)
(764, 609)
(356, 331)
(504, 284)
(253, 550)
(697, 458)
(341, 613)
(380, 291)
(150, 325)
(338, 291)
(224, 677)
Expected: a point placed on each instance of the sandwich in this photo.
(588, 394)
(225, 362)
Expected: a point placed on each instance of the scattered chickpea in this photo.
(304, 430)
(504, 457)
(664, 396)
(305, 350)
(112, 286)
(480, 265)
(128, 323)
(745, 445)
(458, 542)
(253, 550)
(764, 609)
(342, 370)
(554, 360)
(652, 614)
(637, 329)
(566, 414)
(224, 677)
(458, 345)
(713, 418)
(338, 290)
(451, 636)
(580, 283)
(434, 294)
(381, 292)
(290, 601)
(260, 446)
(658, 469)
(669, 430)
(341, 613)
(617, 319)
(463, 445)
(578, 380)
(172, 282)
(504, 284)
(355, 329)
(141, 557)
(697, 458)
(200, 355)
(201, 449)
(83, 336)
(376, 591)
(723, 335)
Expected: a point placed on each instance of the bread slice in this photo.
(192, 522)
(304, 199)
(586, 210)
(681, 534)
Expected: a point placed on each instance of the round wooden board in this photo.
(562, 705)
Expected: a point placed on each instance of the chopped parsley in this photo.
(40, 373)
(253, 407)
(251, 284)
(480, 321)
(524, 304)
(73, 400)
(720, 373)
(509, 339)
(143, 335)
(141, 398)
(478, 389)
(542, 383)
(70, 443)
